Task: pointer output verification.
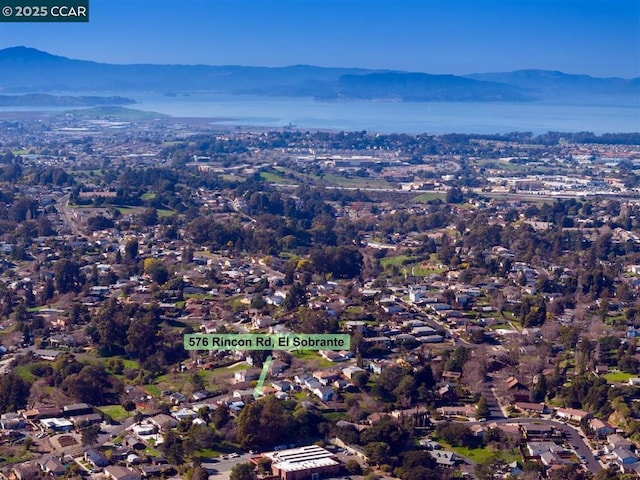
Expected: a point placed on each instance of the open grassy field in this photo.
(24, 373)
(406, 264)
(618, 377)
(427, 197)
(117, 412)
(481, 455)
(397, 260)
(271, 177)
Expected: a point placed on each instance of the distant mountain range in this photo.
(29, 70)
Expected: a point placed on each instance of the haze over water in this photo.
(398, 117)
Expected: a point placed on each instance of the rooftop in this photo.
(303, 458)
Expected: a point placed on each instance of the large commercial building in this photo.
(304, 463)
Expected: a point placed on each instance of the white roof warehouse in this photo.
(309, 462)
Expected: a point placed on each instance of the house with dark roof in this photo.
(600, 428)
(157, 470)
(117, 472)
(53, 466)
(95, 458)
(77, 409)
(572, 414)
(132, 442)
(539, 408)
(444, 458)
(27, 471)
(624, 456)
(163, 422)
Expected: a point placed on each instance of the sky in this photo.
(594, 37)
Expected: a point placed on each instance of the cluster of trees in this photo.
(15, 393)
(272, 422)
(387, 443)
(591, 393)
(402, 386)
(78, 380)
(134, 330)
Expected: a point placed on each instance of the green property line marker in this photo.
(263, 376)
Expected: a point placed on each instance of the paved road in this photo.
(489, 394)
(222, 468)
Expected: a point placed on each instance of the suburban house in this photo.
(601, 428)
(463, 411)
(572, 414)
(116, 472)
(444, 458)
(95, 458)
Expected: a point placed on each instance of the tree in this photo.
(539, 391)
(67, 276)
(264, 466)
(15, 393)
(91, 384)
(360, 379)
(221, 416)
(487, 469)
(142, 337)
(482, 409)
(454, 195)
(172, 448)
(608, 474)
(295, 298)
(456, 434)
(405, 392)
(378, 452)
(149, 217)
(248, 425)
(90, 435)
(131, 250)
(353, 467)
(273, 421)
(197, 382)
(243, 471)
(156, 270)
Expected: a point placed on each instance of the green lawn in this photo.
(24, 373)
(481, 455)
(310, 355)
(229, 177)
(207, 453)
(116, 412)
(148, 196)
(356, 182)
(426, 197)
(478, 455)
(334, 416)
(398, 260)
(411, 267)
(271, 177)
(152, 389)
(418, 271)
(355, 309)
(165, 213)
(618, 377)
(126, 210)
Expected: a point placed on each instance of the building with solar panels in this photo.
(305, 463)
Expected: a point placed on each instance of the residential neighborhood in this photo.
(489, 286)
